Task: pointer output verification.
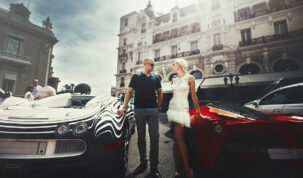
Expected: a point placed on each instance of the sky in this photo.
(87, 32)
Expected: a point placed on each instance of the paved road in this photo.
(166, 153)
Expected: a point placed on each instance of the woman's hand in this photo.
(121, 111)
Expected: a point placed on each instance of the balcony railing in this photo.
(122, 71)
(272, 8)
(270, 38)
(123, 55)
(217, 47)
(5, 53)
(182, 54)
(176, 35)
(138, 62)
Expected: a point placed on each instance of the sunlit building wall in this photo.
(216, 37)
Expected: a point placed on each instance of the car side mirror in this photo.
(255, 103)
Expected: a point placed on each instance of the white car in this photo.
(288, 100)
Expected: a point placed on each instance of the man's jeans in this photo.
(149, 116)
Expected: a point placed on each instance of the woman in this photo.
(178, 112)
(28, 93)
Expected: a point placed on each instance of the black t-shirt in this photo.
(145, 90)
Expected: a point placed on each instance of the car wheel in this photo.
(124, 151)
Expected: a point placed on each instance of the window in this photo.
(14, 45)
(217, 39)
(157, 53)
(246, 35)
(260, 9)
(174, 50)
(175, 17)
(124, 41)
(195, 28)
(215, 4)
(140, 44)
(122, 84)
(8, 83)
(197, 74)
(125, 22)
(219, 68)
(274, 98)
(139, 56)
(174, 33)
(123, 65)
(143, 28)
(243, 14)
(280, 27)
(216, 23)
(294, 95)
(249, 69)
(193, 45)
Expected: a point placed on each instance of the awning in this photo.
(247, 80)
(166, 86)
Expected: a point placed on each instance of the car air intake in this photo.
(70, 147)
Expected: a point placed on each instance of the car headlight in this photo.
(80, 128)
(62, 129)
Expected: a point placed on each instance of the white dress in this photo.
(178, 110)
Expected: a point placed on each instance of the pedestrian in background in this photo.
(147, 107)
(36, 88)
(28, 93)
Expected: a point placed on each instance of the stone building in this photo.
(250, 43)
(25, 49)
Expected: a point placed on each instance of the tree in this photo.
(83, 88)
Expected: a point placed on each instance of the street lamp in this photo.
(231, 77)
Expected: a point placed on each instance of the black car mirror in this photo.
(255, 103)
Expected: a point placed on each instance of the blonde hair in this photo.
(182, 63)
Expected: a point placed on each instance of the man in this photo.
(49, 89)
(36, 89)
(147, 107)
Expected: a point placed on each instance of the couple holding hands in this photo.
(147, 108)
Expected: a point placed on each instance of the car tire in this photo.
(124, 150)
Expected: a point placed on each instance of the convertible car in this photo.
(237, 141)
(64, 136)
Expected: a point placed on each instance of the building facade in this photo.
(246, 42)
(25, 49)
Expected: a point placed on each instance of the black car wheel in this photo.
(124, 150)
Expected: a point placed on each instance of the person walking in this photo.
(36, 89)
(147, 108)
(178, 112)
(50, 88)
(28, 93)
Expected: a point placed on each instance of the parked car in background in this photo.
(288, 99)
(64, 136)
(238, 141)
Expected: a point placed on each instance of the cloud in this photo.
(87, 33)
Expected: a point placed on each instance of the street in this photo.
(166, 156)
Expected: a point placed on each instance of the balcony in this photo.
(122, 71)
(139, 62)
(270, 38)
(217, 47)
(123, 55)
(18, 59)
(176, 35)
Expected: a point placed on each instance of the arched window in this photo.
(175, 17)
(285, 65)
(174, 75)
(249, 69)
(197, 74)
(143, 28)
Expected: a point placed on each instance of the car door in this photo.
(273, 102)
(294, 100)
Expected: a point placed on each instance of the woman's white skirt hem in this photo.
(180, 117)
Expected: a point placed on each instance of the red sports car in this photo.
(239, 141)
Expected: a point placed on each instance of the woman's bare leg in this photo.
(178, 156)
(179, 137)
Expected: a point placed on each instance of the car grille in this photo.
(41, 148)
(70, 146)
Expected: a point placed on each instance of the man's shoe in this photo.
(155, 173)
(140, 168)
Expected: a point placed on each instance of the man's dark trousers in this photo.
(149, 116)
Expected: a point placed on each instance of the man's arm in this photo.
(160, 97)
(126, 100)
